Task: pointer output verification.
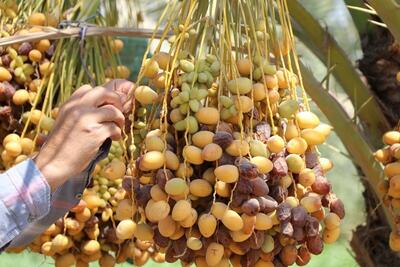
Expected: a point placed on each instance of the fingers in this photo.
(110, 129)
(81, 91)
(123, 88)
(100, 96)
(120, 85)
(109, 113)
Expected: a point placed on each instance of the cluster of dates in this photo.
(22, 69)
(389, 156)
(25, 70)
(100, 228)
(220, 183)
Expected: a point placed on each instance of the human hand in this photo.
(124, 89)
(84, 122)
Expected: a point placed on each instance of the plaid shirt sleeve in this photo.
(24, 198)
(61, 201)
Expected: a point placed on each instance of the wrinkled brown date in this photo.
(248, 170)
(299, 216)
(226, 159)
(257, 239)
(263, 131)
(311, 159)
(288, 255)
(315, 244)
(7, 91)
(251, 207)
(279, 193)
(321, 185)
(223, 236)
(142, 195)
(298, 234)
(287, 228)
(280, 166)
(160, 240)
(170, 255)
(179, 245)
(259, 187)
(244, 186)
(110, 235)
(267, 204)
(5, 60)
(312, 226)
(162, 176)
(223, 139)
(284, 211)
(336, 206)
(250, 258)
(24, 49)
(238, 199)
(303, 256)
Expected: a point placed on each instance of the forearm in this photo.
(63, 199)
(24, 199)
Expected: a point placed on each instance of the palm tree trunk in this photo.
(380, 65)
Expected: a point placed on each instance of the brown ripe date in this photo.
(244, 246)
(288, 255)
(267, 204)
(280, 166)
(226, 159)
(238, 199)
(180, 245)
(336, 206)
(5, 60)
(7, 91)
(188, 257)
(298, 234)
(24, 49)
(263, 131)
(170, 255)
(279, 193)
(160, 240)
(251, 207)
(250, 258)
(110, 235)
(315, 244)
(283, 211)
(91, 222)
(257, 239)
(287, 228)
(299, 216)
(259, 187)
(303, 256)
(321, 185)
(162, 176)
(248, 170)
(223, 236)
(312, 227)
(244, 186)
(311, 159)
(127, 184)
(223, 139)
(325, 201)
(142, 195)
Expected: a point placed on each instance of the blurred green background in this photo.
(334, 15)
